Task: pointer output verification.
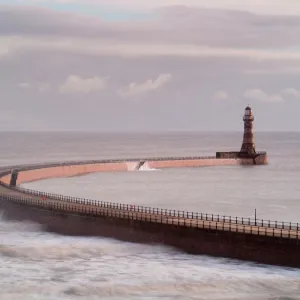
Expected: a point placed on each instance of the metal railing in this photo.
(97, 211)
(165, 212)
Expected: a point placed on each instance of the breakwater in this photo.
(262, 241)
(67, 169)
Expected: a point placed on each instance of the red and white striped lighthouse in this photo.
(248, 145)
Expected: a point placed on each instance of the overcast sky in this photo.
(159, 65)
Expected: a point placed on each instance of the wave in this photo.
(217, 289)
(49, 247)
(146, 167)
(166, 289)
(8, 226)
(135, 166)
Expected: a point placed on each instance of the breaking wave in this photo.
(96, 268)
(7, 227)
(146, 167)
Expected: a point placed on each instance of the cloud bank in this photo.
(202, 65)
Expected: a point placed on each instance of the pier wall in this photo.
(69, 171)
(81, 168)
(192, 163)
(201, 241)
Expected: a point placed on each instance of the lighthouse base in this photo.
(258, 158)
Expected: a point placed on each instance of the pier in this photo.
(262, 241)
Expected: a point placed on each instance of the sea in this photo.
(35, 264)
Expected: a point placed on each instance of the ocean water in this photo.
(39, 265)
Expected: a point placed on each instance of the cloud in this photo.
(206, 51)
(43, 87)
(39, 86)
(171, 32)
(258, 6)
(4, 51)
(259, 95)
(23, 85)
(149, 85)
(292, 92)
(274, 71)
(76, 84)
(221, 95)
(99, 47)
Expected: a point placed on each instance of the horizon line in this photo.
(145, 131)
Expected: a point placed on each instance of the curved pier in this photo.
(262, 241)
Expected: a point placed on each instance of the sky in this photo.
(159, 65)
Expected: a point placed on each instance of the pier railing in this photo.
(165, 212)
(97, 211)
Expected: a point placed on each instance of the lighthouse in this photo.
(248, 154)
(248, 145)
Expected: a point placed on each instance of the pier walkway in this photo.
(94, 208)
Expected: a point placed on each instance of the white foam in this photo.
(146, 167)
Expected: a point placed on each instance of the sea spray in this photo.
(146, 167)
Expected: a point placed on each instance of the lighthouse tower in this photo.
(248, 145)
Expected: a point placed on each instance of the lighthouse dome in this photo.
(248, 111)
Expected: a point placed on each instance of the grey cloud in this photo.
(291, 92)
(281, 70)
(24, 85)
(221, 95)
(38, 86)
(259, 95)
(178, 24)
(279, 96)
(184, 104)
(45, 22)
